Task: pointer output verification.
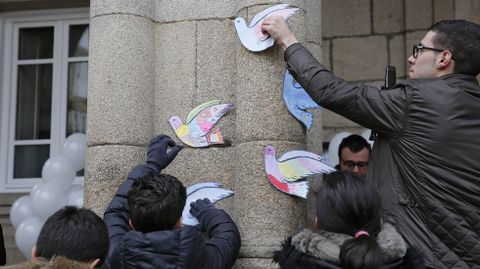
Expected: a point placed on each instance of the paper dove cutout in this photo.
(196, 131)
(210, 190)
(252, 37)
(298, 100)
(294, 166)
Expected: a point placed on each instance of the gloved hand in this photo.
(157, 154)
(199, 206)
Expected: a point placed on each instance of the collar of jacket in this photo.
(57, 262)
(326, 245)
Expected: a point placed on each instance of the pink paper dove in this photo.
(196, 131)
(252, 36)
(294, 166)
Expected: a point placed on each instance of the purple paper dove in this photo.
(294, 166)
(298, 100)
(252, 36)
(210, 190)
(196, 131)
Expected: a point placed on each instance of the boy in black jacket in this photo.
(144, 221)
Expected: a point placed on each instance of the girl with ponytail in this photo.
(350, 233)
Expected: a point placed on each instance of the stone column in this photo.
(121, 82)
(151, 60)
(264, 215)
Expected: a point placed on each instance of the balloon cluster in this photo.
(332, 154)
(29, 212)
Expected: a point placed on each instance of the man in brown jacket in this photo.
(425, 160)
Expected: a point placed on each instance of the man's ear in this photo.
(34, 253)
(445, 59)
(130, 224)
(93, 263)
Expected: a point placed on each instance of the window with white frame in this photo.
(44, 90)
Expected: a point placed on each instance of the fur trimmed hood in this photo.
(55, 263)
(326, 245)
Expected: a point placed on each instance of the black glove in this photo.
(157, 154)
(199, 206)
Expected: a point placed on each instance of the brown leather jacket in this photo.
(425, 161)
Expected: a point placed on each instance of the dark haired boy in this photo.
(144, 221)
(73, 237)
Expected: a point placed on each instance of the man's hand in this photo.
(158, 153)
(278, 29)
(199, 205)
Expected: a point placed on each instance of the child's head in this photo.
(347, 204)
(75, 233)
(156, 202)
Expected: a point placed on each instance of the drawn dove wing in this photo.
(214, 194)
(194, 112)
(195, 187)
(263, 14)
(278, 10)
(202, 118)
(297, 166)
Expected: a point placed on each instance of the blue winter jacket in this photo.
(181, 248)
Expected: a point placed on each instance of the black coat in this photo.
(181, 248)
(425, 159)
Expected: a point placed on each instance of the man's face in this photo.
(354, 162)
(424, 66)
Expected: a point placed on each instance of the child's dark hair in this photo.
(75, 233)
(156, 202)
(347, 204)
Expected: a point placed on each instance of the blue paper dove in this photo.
(298, 100)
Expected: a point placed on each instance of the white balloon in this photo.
(333, 146)
(21, 210)
(27, 234)
(366, 135)
(59, 170)
(35, 187)
(47, 199)
(74, 148)
(75, 196)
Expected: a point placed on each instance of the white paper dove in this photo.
(210, 190)
(252, 37)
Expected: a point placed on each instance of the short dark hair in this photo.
(462, 39)
(156, 202)
(353, 142)
(347, 203)
(75, 233)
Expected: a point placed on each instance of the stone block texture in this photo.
(370, 53)
(346, 18)
(388, 16)
(142, 8)
(120, 80)
(106, 168)
(418, 14)
(468, 10)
